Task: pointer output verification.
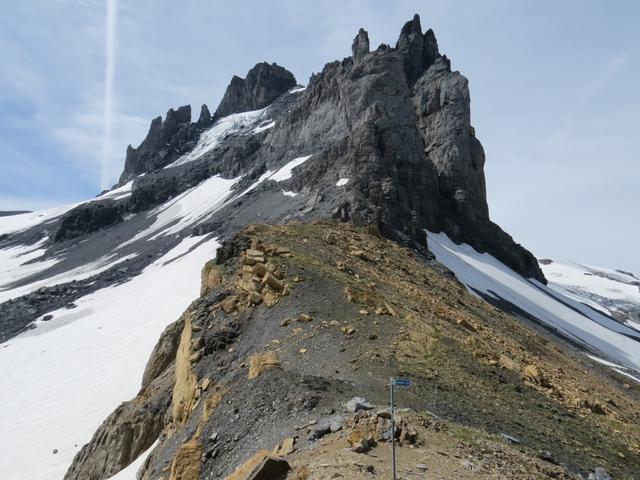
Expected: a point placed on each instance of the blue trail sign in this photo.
(402, 382)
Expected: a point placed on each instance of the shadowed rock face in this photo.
(166, 141)
(88, 218)
(418, 50)
(263, 84)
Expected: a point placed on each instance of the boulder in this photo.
(358, 403)
(262, 362)
(262, 466)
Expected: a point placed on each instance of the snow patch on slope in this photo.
(218, 132)
(201, 201)
(187, 208)
(286, 172)
(18, 262)
(483, 273)
(17, 223)
(61, 380)
(262, 128)
(599, 281)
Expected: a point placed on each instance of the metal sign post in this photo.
(400, 382)
(393, 431)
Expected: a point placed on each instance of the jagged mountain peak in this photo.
(418, 50)
(262, 85)
(360, 46)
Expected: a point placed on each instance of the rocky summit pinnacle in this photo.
(263, 84)
(165, 141)
(418, 50)
(360, 46)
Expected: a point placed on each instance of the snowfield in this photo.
(62, 379)
(223, 127)
(584, 281)
(598, 333)
(16, 223)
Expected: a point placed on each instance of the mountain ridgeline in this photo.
(394, 121)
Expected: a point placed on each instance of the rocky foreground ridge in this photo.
(294, 321)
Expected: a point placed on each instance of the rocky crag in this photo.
(395, 122)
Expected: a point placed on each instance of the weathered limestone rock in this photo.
(262, 466)
(262, 362)
(186, 381)
(187, 461)
(164, 352)
(212, 275)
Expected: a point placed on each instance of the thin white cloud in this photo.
(601, 82)
(112, 19)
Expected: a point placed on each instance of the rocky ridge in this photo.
(291, 324)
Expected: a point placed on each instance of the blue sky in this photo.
(554, 86)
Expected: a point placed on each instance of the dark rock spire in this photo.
(360, 45)
(264, 83)
(165, 141)
(418, 50)
(205, 120)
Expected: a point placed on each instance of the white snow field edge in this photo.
(130, 472)
(570, 275)
(211, 138)
(183, 211)
(16, 223)
(481, 272)
(60, 380)
(203, 200)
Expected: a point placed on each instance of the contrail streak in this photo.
(107, 117)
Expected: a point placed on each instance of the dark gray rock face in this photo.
(263, 84)
(88, 218)
(164, 143)
(360, 46)
(205, 120)
(418, 50)
(442, 103)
